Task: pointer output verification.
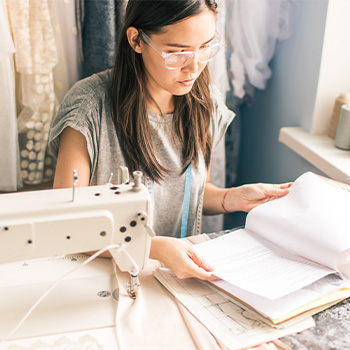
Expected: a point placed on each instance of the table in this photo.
(331, 331)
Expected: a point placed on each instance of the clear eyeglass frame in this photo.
(176, 60)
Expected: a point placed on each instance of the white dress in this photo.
(35, 57)
(9, 160)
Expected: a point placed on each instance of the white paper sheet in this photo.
(313, 221)
(249, 263)
(265, 258)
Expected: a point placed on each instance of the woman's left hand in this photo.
(247, 197)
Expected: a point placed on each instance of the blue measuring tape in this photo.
(186, 203)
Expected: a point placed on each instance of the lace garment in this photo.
(35, 58)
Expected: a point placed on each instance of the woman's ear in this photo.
(134, 39)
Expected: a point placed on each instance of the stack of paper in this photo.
(293, 257)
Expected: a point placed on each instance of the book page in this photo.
(257, 266)
(313, 221)
(321, 292)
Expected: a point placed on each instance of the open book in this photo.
(293, 256)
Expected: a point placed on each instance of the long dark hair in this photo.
(129, 93)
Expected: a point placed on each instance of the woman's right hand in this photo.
(180, 257)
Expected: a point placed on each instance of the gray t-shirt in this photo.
(87, 109)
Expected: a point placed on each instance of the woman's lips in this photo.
(187, 82)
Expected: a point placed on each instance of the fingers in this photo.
(286, 185)
(276, 191)
(194, 266)
(180, 257)
(285, 189)
(190, 269)
(200, 274)
(201, 262)
(282, 192)
(199, 268)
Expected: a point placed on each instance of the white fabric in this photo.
(9, 157)
(254, 27)
(217, 66)
(159, 321)
(35, 57)
(154, 317)
(60, 71)
(68, 69)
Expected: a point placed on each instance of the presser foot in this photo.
(132, 287)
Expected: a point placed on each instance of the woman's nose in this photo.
(193, 66)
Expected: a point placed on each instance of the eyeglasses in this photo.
(182, 59)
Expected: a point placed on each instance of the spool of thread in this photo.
(342, 137)
(342, 99)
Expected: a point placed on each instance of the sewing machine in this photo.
(55, 222)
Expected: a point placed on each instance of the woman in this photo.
(155, 111)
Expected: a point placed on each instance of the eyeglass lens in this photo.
(181, 59)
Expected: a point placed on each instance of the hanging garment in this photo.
(79, 20)
(99, 35)
(68, 69)
(255, 26)
(217, 67)
(9, 157)
(35, 58)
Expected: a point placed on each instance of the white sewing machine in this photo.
(55, 222)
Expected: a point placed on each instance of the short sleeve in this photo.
(222, 116)
(80, 111)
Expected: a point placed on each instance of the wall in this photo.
(288, 100)
(334, 76)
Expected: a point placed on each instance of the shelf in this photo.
(319, 150)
